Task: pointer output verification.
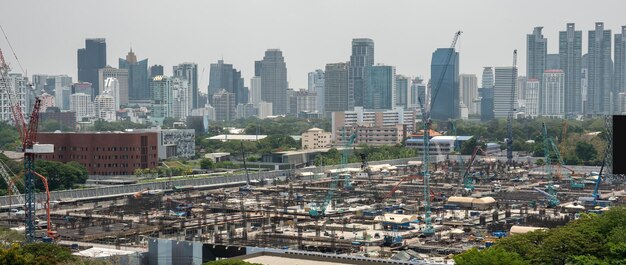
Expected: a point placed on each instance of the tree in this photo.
(586, 151)
(60, 175)
(468, 146)
(489, 256)
(52, 125)
(36, 254)
(206, 164)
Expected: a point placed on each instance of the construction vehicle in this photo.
(51, 234)
(468, 181)
(559, 174)
(429, 230)
(138, 194)
(509, 122)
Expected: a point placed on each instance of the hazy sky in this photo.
(46, 34)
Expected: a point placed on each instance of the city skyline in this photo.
(409, 55)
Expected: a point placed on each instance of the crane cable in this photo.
(13, 51)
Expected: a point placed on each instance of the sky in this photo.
(46, 34)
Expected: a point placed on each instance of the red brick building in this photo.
(104, 153)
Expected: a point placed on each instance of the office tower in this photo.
(505, 80)
(265, 110)
(274, 81)
(553, 61)
(189, 72)
(83, 87)
(258, 65)
(181, 104)
(111, 87)
(336, 94)
(104, 107)
(600, 69)
(18, 84)
(553, 93)
(468, 85)
(224, 104)
(620, 61)
(301, 101)
(532, 97)
(536, 54)
(380, 91)
(154, 71)
(521, 89)
(402, 90)
(160, 87)
(316, 84)
(255, 90)
(138, 88)
(122, 77)
(444, 80)
(418, 93)
(486, 94)
(90, 60)
(81, 104)
(570, 54)
(361, 60)
(224, 76)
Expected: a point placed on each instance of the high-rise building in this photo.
(138, 88)
(181, 104)
(258, 65)
(189, 72)
(553, 61)
(81, 104)
(336, 93)
(18, 84)
(536, 54)
(90, 60)
(600, 69)
(487, 77)
(302, 101)
(265, 110)
(468, 85)
(255, 90)
(402, 90)
(553, 93)
(486, 94)
(620, 61)
(532, 97)
(418, 93)
(361, 60)
(224, 104)
(104, 107)
(155, 70)
(570, 54)
(444, 80)
(83, 87)
(381, 88)
(316, 85)
(505, 79)
(274, 81)
(60, 85)
(224, 76)
(111, 87)
(371, 118)
(161, 97)
(122, 77)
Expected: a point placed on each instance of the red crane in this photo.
(28, 136)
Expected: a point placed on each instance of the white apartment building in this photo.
(373, 118)
(81, 104)
(553, 93)
(532, 97)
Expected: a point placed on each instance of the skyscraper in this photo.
(181, 98)
(111, 87)
(336, 92)
(138, 88)
(361, 60)
(600, 68)
(90, 59)
(536, 54)
(553, 93)
(468, 86)
(161, 97)
(380, 93)
(224, 104)
(189, 72)
(402, 90)
(155, 70)
(418, 93)
(444, 80)
(316, 84)
(81, 104)
(505, 82)
(18, 84)
(224, 76)
(532, 97)
(255, 90)
(274, 81)
(570, 53)
(620, 61)
(121, 75)
(486, 94)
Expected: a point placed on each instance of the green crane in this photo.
(550, 192)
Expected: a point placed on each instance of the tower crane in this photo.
(28, 135)
(429, 230)
(8, 177)
(509, 122)
(550, 192)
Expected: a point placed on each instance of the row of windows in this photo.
(98, 149)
